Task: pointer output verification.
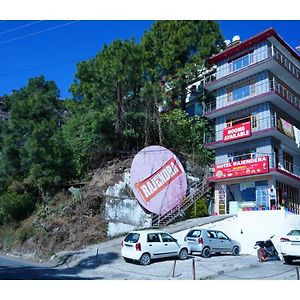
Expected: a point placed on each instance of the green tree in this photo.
(176, 52)
(186, 135)
(32, 150)
(113, 78)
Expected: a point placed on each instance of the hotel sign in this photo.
(236, 132)
(151, 186)
(246, 167)
(158, 179)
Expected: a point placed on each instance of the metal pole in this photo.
(194, 270)
(174, 266)
(297, 270)
(97, 255)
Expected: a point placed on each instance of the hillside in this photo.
(67, 221)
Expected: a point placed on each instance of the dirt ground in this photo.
(68, 221)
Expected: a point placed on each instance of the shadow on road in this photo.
(60, 272)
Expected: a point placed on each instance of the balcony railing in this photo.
(256, 125)
(254, 91)
(253, 58)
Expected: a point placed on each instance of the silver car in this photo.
(207, 241)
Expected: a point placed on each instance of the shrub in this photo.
(25, 232)
(15, 207)
(198, 209)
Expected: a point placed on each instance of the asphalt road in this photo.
(109, 265)
(17, 269)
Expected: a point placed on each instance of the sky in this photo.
(52, 48)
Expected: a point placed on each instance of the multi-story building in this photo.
(256, 119)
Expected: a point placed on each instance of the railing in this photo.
(196, 191)
(260, 124)
(285, 62)
(253, 58)
(254, 91)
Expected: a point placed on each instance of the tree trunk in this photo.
(118, 125)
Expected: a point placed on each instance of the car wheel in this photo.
(287, 259)
(183, 254)
(206, 252)
(145, 259)
(236, 250)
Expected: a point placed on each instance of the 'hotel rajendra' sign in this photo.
(157, 179)
(236, 132)
(246, 167)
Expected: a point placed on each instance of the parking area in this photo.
(109, 265)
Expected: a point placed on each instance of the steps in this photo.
(197, 191)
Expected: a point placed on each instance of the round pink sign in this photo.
(158, 179)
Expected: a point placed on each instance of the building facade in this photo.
(256, 119)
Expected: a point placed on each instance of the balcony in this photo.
(280, 168)
(270, 91)
(267, 59)
(260, 128)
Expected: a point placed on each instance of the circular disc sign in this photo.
(158, 179)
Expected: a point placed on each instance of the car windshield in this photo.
(132, 237)
(194, 233)
(294, 232)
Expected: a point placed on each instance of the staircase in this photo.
(197, 191)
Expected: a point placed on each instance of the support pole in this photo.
(174, 266)
(194, 270)
(297, 270)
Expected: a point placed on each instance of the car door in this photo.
(154, 245)
(211, 240)
(224, 242)
(170, 246)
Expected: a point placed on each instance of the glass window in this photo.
(240, 63)
(241, 93)
(132, 237)
(222, 236)
(153, 238)
(167, 238)
(211, 234)
(194, 233)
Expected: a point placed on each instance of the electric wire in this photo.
(17, 28)
(39, 32)
(44, 66)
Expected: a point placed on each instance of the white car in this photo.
(143, 246)
(290, 246)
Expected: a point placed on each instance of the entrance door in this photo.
(262, 196)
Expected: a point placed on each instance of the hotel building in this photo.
(256, 119)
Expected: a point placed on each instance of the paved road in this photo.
(16, 269)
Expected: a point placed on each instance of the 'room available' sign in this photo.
(236, 132)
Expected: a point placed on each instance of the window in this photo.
(153, 238)
(132, 237)
(166, 238)
(241, 155)
(241, 92)
(240, 63)
(235, 121)
(211, 234)
(288, 162)
(222, 236)
(194, 233)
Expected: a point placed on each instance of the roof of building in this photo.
(249, 42)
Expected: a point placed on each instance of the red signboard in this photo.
(156, 182)
(252, 166)
(236, 132)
